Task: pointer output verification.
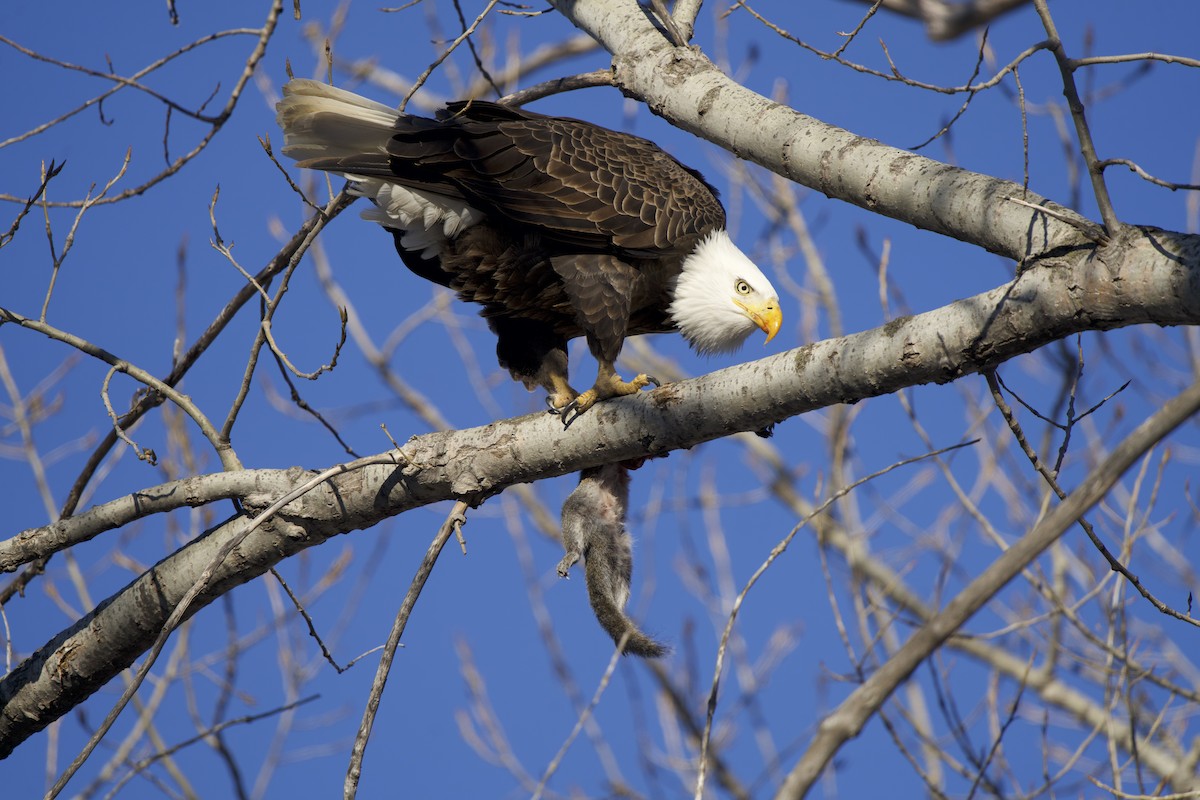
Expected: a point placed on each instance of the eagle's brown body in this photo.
(583, 230)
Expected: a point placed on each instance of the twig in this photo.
(217, 121)
(1086, 145)
(303, 405)
(354, 771)
(269, 306)
(586, 714)
(143, 454)
(455, 521)
(48, 174)
(142, 764)
(1113, 562)
(1092, 232)
(424, 76)
(1166, 58)
(180, 367)
(962, 109)
(483, 71)
(285, 361)
(895, 75)
(1133, 167)
(862, 23)
(88, 202)
(312, 628)
(229, 459)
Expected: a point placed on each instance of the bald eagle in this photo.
(557, 227)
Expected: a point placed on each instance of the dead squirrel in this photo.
(593, 527)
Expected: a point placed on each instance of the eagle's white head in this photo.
(720, 297)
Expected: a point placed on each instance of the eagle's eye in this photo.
(742, 287)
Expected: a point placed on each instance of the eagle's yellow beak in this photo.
(765, 315)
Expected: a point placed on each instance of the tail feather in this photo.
(324, 122)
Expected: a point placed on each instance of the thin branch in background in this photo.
(1087, 146)
(862, 23)
(1049, 476)
(545, 522)
(228, 457)
(552, 767)
(378, 358)
(49, 173)
(219, 708)
(143, 764)
(546, 55)
(424, 76)
(312, 628)
(496, 749)
(966, 103)
(88, 201)
(777, 551)
(1141, 173)
(483, 71)
(1009, 719)
(24, 419)
(216, 121)
(354, 770)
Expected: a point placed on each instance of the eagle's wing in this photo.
(574, 182)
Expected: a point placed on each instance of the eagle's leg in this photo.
(601, 289)
(608, 384)
(534, 355)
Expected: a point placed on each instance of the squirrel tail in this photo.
(608, 603)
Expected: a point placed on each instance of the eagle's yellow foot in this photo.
(561, 394)
(607, 385)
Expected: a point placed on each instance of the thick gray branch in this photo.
(1152, 277)
(688, 90)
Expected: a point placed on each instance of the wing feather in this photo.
(575, 182)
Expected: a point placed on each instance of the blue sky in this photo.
(118, 287)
